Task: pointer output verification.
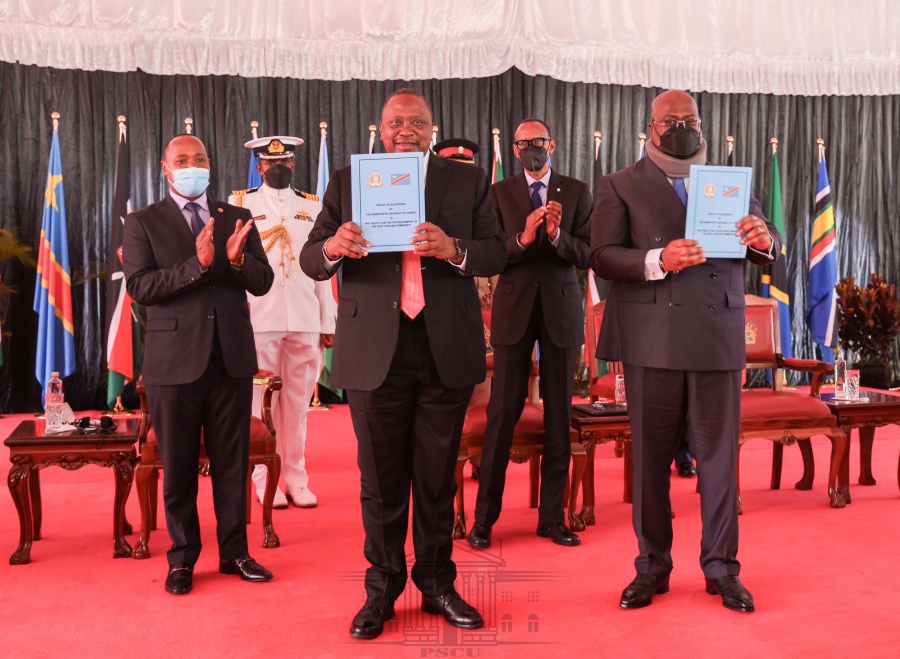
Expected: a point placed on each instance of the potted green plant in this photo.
(868, 322)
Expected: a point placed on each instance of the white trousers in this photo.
(297, 358)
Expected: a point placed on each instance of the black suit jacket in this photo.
(159, 257)
(456, 199)
(690, 320)
(541, 266)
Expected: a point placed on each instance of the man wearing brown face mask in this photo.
(676, 321)
(295, 319)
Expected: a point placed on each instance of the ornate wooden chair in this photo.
(527, 444)
(262, 451)
(785, 417)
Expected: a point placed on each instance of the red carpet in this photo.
(824, 581)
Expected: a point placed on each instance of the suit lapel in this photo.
(522, 197)
(175, 218)
(653, 184)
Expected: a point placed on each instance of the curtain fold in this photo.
(860, 133)
(801, 47)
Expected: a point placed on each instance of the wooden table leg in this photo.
(18, 482)
(838, 474)
(866, 436)
(587, 487)
(579, 460)
(37, 508)
(142, 476)
(124, 475)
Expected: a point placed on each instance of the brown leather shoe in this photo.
(368, 623)
(454, 609)
(734, 595)
(639, 593)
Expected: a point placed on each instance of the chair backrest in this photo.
(761, 332)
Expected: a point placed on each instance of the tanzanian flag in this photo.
(774, 277)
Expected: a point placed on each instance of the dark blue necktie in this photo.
(536, 201)
(680, 190)
(196, 221)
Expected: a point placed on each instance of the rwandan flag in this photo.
(53, 289)
(821, 315)
(774, 277)
(254, 178)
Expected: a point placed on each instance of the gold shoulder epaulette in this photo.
(307, 195)
(239, 195)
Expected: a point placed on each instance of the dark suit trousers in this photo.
(512, 365)
(663, 405)
(408, 432)
(219, 406)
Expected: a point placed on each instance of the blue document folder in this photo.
(388, 194)
(719, 197)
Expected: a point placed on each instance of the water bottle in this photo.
(53, 407)
(840, 376)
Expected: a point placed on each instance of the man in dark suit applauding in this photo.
(191, 260)
(546, 219)
(408, 349)
(676, 321)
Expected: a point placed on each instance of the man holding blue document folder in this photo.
(408, 349)
(675, 318)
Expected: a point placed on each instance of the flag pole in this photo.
(254, 129)
(597, 140)
(371, 138)
(642, 140)
(317, 405)
(434, 132)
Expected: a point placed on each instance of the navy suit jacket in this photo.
(159, 258)
(368, 323)
(690, 320)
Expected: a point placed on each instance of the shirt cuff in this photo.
(767, 252)
(329, 264)
(652, 271)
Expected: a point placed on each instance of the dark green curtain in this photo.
(859, 133)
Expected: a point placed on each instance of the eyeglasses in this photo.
(669, 123)
(536, 142)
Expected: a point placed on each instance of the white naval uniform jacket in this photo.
(295, 303)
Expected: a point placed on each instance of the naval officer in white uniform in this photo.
(295, 319)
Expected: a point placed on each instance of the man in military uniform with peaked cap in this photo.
(295, 319)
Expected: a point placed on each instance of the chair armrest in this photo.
(269, 383)
(819, 369)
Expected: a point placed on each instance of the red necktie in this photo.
(412, 293)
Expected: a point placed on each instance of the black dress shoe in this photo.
(480, 536)
(734, 595)
(559, 533)
(686, 470)
(249, 569)
(639, 593)
(180, 579)
(454, 609)
(369, 622)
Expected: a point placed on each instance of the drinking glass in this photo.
(852, 383)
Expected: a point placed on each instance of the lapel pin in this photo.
(559, 189)
(220, 209)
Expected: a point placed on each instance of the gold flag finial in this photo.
(496, 133)
(188, 125)
(55, 117)
(323, 127)
(254, 129)
(597, 135)
(730, 140)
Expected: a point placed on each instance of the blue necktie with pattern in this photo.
(196, 221)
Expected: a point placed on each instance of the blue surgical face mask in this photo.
(190, 181)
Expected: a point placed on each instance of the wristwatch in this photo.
(460, 252)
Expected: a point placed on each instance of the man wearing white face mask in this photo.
(191, 260)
